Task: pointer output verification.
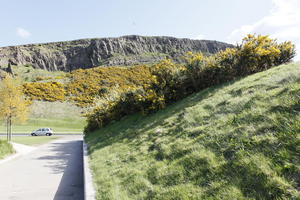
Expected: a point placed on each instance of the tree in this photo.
(13, 106)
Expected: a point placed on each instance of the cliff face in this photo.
(87, 53)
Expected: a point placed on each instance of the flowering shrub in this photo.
(47, 91)
(287, 53)
(136, 100)
(87, 84)
(256, 53)
(170, 80)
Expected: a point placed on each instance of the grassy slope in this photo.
(236, 141)
(29, 74)
(5, 149)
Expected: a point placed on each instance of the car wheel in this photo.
(48, 134)
(33, 134)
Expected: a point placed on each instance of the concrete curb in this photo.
(89, 190)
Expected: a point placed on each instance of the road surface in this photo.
(53, 171)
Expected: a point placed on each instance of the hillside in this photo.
(239, 140)
(88, 53)
(104, 94)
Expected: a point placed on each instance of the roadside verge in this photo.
(89, 190)
(20, 150)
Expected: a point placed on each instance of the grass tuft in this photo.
(5, 149)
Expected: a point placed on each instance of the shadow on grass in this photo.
(123, 130)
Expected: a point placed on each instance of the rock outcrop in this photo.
(88, 53)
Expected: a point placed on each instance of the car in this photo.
(42, 131)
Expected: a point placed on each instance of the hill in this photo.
(239, 140)
(88, 53)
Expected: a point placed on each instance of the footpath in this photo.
(53, 171)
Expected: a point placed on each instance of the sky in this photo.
(36, 21)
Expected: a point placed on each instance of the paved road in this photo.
(53, 171)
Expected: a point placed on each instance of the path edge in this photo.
(16, 153)
(9, 157)
(89, 189)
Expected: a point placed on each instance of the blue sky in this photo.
(35, 21)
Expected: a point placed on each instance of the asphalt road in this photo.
(53, 171)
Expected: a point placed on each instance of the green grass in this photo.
(30, 140)
(28, 74)
(5, 149)
(239, 140)
(60, 116)
(58, 125)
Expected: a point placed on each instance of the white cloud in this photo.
(199, 37)
(283, 23)
(23, 33)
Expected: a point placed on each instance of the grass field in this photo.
(60, 116)
(239, 140)
(31, 141)
(28, 74)
(58, 125)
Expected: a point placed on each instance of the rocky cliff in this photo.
(87, 53)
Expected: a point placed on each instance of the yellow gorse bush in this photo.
(46, 91)
(84, 85)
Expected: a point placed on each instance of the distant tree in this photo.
(13, 106)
